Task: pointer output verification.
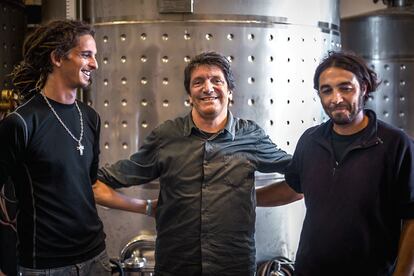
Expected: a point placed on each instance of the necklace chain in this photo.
(80, 147)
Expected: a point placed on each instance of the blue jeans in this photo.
(98, 266)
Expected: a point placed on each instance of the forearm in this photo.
(405, 261)
(276, 194)
(108, 197)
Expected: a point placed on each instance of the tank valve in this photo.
(8, 100)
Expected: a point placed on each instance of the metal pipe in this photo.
(396, 3)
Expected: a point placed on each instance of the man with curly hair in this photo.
(49, 147)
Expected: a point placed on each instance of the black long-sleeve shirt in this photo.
(57, 221)
(206, 209)
(354, 207)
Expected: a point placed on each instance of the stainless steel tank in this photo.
(385, 38)
(12, 30)
(143, 47)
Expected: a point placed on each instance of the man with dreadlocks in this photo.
(49, 146)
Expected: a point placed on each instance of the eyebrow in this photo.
(339, 84)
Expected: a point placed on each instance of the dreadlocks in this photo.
(59, 37)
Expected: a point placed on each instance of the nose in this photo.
(93, 63)
(337, 97)
(208, 87)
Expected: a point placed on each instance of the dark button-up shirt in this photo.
(206, 209)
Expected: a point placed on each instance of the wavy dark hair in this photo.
(350, 62)
(209, 58)
(60, 36)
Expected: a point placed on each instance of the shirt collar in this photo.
(230, 126)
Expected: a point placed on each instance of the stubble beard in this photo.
(344, 119)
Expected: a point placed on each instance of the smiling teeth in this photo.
(209, 98)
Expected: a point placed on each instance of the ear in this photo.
(190, 100)
(56, 61)
(230, 95)
(364, 89)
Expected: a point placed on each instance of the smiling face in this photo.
(209, 94)
(76, 67)
(341, 96)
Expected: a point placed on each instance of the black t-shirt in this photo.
(340, 143)
(57, 221)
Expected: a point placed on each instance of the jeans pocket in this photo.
(103, 259)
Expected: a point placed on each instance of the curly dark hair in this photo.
(209, 58)
(60, 36)
(350, 62)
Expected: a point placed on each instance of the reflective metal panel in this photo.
(384, 38)
(274, 47)
(12, 24)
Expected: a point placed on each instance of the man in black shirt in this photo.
(205, 162)
(357, 176)
(49, 146)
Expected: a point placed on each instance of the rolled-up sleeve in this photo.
(140, 168)
(269, 157)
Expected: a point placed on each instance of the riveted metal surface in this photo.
(12, 29)
(383, 39)
(274, 47)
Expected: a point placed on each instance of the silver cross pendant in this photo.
(80, 148)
